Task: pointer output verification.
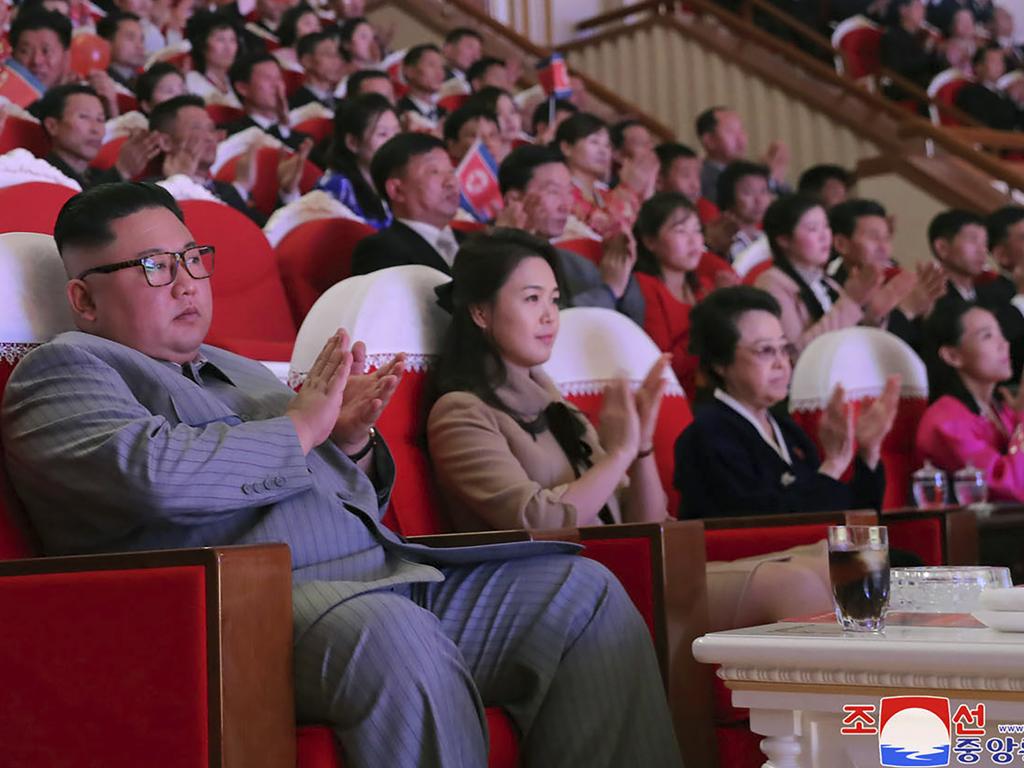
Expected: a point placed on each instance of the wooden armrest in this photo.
(848, 517)
(249, 645)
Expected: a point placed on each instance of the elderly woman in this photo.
(509, 452)
(361, 125)
(215, 46)
(740, 457)
(970, 420)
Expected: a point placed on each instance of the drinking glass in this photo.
(969, 486)
(858, 567)
(944, 588)
(929, 487)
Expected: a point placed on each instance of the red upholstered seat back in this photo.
(222, 114)
(316, 255)
(265, 190)
(108, 153)
(587, 247)
(728, 544)
(249, 301)
(860, 44)
(943, 90)
(17, 132)
(319, 128)
(32, 207)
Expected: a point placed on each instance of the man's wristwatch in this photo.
(361, 453)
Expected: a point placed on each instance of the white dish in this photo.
(1003, 599)
(1004, 621)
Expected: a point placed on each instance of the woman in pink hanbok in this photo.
(972, 420)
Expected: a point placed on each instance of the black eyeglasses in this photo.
(162, 268)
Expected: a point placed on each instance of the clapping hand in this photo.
(137, 151)
(876, 421)
(365, 398)
(617, 260)
(314, 411)
(862, 282)
(890, 295)
(184, 158)
(290, 167)
(648, 400)
(930, 286)
(619, 422)
(835, 433)
(776, 157)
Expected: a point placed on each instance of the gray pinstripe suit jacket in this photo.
(113, 450)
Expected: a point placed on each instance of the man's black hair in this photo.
(413, 56)
(460, 32)
(518, 168)
(356, 79)
(241, 70)
(166, 112)
(541, 111)
(455, 122)
(617, 133)
(85, 219)
(392, 157)
(56, 99)
(707, 121)
(843, 218)
(669, 152)
(479, 67)
(947, 225)
(730, 177)
(107, 26)
(813, 180)
(307, 43)
(999, 223)
(40, 18)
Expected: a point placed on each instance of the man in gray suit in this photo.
(130, 433)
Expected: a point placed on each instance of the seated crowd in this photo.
(730, 269)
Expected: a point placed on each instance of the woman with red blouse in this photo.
(670, 244)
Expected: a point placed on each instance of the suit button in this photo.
(246, 488)
(279, 481)
(268, 485)
(256, 488)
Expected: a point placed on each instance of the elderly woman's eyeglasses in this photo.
(162, 268)
(769, 353)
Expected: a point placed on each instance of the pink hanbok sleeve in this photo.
(951, 437)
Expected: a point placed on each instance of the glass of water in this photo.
(969, 486)
(929, 487)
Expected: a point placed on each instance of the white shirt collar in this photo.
(426, 107)
(779, 445)
(432, 234)
(265, 123)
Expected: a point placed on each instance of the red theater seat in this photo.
(859, 43)
(265, 190)
(251, 315)
(32, 207)
(587, 247)
(942, 90)
(319, 128)
(17, 132)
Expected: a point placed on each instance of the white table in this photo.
(797, 677)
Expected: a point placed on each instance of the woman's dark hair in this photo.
(287, 28)
(347, 30)
(201, 25)
(469, 361)
(487, 99)
(946, 329)
(655, 211)
(355, 117)
(150, 79)
(577, 127)
(781, 220)
(713, 325)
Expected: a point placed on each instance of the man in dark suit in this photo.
(423, 68)
(127, 46)
(415, 177)
(462, 48)
(72, 116)
(983, 99)
(959, 242)
(1005, 295)
(190, 148)
(258, 81)
(321, 59)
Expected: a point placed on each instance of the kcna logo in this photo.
(914, 730)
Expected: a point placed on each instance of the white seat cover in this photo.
(313, 205)
(391, 310)
(19, 166)
(597, 346)
(860, 359)
(33, 308)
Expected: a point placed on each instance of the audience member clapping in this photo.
(983, 99)
(959, 242)
(724, 139)
(908, 48)
(296, 22)
(830, 183)
(537, 190)
(189, 142)
(215, 46)
(127, 46)
(361, 126)
(507, 450)
(811, 303)
(73, 118)
(423, 69)
(743, 195)
(741, 456)
(670, 246)
(463, 47)
(259, 83)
